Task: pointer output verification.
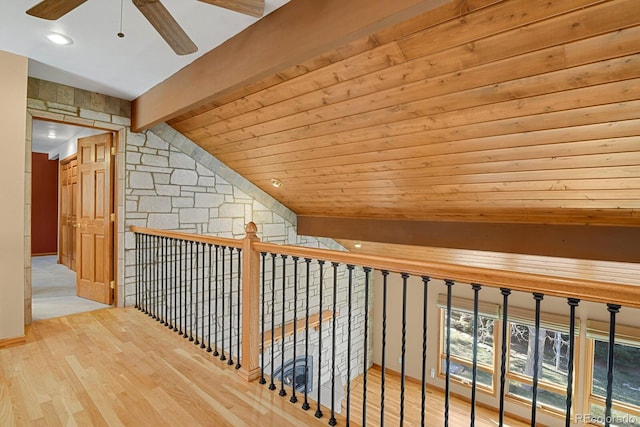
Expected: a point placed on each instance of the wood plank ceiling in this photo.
(521, 111)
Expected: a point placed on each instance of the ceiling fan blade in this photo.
(53, 9)
(248, 7)
(166, 26)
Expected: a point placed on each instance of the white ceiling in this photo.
(99, 60)
(52, 137)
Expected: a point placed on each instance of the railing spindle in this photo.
(196, 269)
(294, 399)
(503, 360)
(536, 359)
(272, 385)
(349, 316)
(203, 267)
(138, 279)
(613, 310)
(403, 353)
(215, 322)
(181, 292)
(191, 292)
(332, 419)
(238, 315)
(573, 303)
(209, 350)
(474, 375)
(365, 364)
(230, 361)
(223, 357)
(318, 413)
(166, 281)
(305, 404)
(425, 304)
(385, 276)
(264, 273)
(282, 323)
(447, 378)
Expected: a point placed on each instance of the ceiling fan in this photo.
(157, 15)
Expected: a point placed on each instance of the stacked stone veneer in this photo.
(173, 184)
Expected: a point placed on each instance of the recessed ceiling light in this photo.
(58, 38)
(357, 245)
(276, 183)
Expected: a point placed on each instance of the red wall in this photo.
(44, 204)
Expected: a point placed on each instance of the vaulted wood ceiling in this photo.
(479, 111)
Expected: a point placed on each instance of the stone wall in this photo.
(173, 184)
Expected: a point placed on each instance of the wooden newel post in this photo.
(250, 369)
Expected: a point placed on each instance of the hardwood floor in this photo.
(458, 409)
(118, 367)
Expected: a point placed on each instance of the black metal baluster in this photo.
(175, 285)
(143, 271)
(405, 277)
(536, 359)
(305, 404)
(166, 281)
(282, 323)
(203, 267)
(294, 399)
(222, 355)
(425, 301)
(215, 320)
(230, 361)
(573, 303)
(613, 310)
(195, 305)
(180, 282)
(349, 316)
(503, 361)
(238, 313)
(365, 365)
(137, 256)
(332, 419)
(209, 310)
(447, 378)
(385, 276)
(264, 278)
(318, 413)
(157, 311)
(191, 292)
(272, 385)
(474, 373)
(168, 265)
(154, 277)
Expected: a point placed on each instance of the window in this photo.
(553, 347)
(461, 355)
(626, 374)
(553, 361)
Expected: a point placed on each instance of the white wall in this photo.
(13, 86)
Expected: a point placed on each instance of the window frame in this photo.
(598, 331)
(487, 310)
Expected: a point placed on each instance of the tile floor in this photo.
(54, 290)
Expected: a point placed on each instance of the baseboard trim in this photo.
(6, 342)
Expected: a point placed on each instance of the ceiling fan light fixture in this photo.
(59, 39)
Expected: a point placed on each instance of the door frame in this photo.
(119, 142)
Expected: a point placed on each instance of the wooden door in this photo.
(94, 235)
(68, 206)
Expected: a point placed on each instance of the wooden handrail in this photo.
(220, 241)
(314, 321)
(588, 290)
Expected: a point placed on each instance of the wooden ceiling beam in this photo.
(605, 243)
(291, 35)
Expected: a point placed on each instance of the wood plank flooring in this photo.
(118, 367)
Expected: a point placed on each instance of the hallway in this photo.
(54, 290)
